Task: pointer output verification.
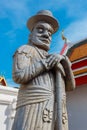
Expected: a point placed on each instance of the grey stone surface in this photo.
(43, 79)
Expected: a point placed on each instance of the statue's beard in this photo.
(40, 44)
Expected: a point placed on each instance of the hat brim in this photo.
(51, 20)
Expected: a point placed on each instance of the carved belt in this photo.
(33, 94)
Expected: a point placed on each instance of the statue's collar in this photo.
(41, 52)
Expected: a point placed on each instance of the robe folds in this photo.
(36, 103)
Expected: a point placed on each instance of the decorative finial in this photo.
(3, 81)
(63, 37)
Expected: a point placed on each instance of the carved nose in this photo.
(46, 35)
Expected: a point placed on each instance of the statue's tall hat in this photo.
(43, 15)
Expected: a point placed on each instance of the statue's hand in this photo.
(53, 60)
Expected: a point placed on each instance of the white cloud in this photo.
(77, 30)
(15, 11)
(75, 8)
(19, 11)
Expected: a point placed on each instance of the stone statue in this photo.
(43, 79)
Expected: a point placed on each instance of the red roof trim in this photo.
(81, 80)
(79, 64)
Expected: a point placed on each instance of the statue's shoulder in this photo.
(26, 49)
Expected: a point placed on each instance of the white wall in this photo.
(8, 98)
(77, 108)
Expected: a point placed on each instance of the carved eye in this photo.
(40, 30)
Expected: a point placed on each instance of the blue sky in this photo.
(71, 14)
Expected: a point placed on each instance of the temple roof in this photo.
(78, 56)
(78, 50)
(3, 81)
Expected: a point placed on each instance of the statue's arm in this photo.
(26, 68)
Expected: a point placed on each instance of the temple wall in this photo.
(8, 97)
(77, 108)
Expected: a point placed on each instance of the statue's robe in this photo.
(36, 105)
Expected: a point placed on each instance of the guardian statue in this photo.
(44, 79)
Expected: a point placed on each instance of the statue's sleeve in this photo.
(26, 67)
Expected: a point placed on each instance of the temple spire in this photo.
(67, 44)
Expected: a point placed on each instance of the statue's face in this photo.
(41, 35)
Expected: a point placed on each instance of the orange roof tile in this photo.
(78, 51)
